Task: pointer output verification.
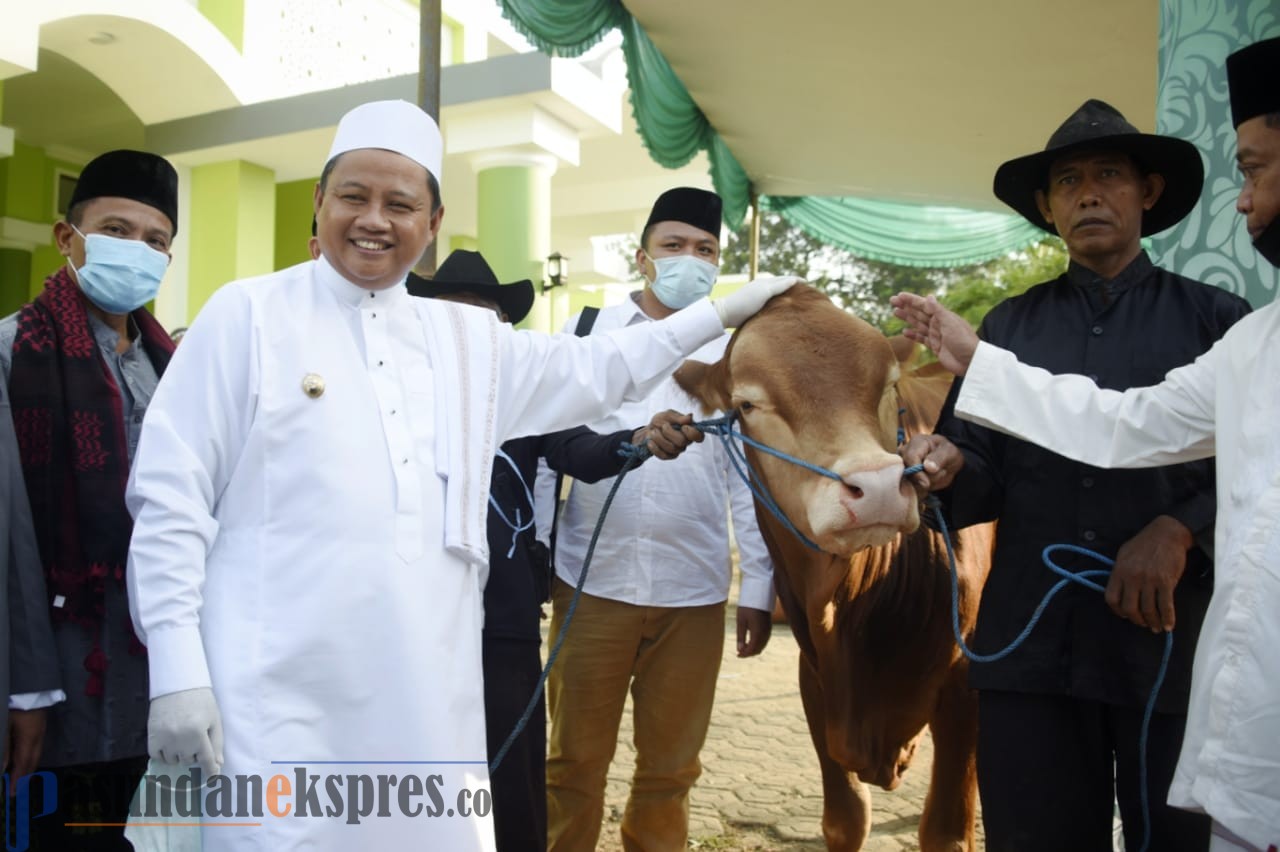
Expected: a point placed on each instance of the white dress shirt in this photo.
(1226, 402)
(665, 541)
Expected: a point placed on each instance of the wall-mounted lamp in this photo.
(557, 271)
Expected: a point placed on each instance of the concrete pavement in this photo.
(760, 787)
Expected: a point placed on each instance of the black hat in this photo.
(467, 272)
(695, 207)
(130, 174)
(1100, 125)
(1252, 73)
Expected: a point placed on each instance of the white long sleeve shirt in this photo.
(1227, 403)
(292, 549)
(666, 539)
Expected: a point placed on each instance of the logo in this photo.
(18, 811)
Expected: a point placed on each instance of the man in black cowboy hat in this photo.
(81, 363)
(1225, 404)
(1059, 718)
(519, 578)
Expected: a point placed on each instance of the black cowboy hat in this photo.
(1100, 125)
(467, 272)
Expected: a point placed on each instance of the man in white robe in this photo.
(1225, 403)
(309, 554)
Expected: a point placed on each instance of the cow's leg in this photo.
(947, 822)
(846, 802)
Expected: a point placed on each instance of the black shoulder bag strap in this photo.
(586, 321)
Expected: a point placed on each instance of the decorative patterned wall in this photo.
(1195, 38)
(304, 46)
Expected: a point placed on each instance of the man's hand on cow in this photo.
(668, 434)
(947, 334)
(942, 460)
(742, 304)
(754, 627)
(1147, 571)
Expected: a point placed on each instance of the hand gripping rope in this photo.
(723, 428)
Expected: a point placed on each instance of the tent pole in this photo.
(429, 93)
(753, 268)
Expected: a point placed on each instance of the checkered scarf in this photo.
(69, 420)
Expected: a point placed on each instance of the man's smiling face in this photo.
(374, 216)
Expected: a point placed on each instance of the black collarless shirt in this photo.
(1124, 332)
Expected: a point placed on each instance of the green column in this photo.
(227, 16)
(232, 228)
(295, 206)
(1192, 103)
(15, 271)
(514, 222)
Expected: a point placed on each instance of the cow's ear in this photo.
(707, 383)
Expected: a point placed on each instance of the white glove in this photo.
(155, 832)
(185, 728)
(740, 305)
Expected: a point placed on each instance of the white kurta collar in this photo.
(354, 295)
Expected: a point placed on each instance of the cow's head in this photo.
(817, 383)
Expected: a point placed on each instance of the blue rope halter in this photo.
(723, 428)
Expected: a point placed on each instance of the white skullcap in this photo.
(397, 126)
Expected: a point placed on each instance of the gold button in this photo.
(313, 385)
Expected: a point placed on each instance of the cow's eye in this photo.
(745, 406)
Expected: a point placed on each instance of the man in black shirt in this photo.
(519, 573)
(1059, 718)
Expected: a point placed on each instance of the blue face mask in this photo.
(118, 275)
(682, 279)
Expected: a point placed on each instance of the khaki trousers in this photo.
(670, 657)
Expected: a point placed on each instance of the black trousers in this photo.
(519, 786)
(90, 793)
(1049, 767)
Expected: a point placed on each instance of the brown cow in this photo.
(872, 610)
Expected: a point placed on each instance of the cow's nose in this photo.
(876, 495)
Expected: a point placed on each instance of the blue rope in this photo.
(722, 427)
(634, 456)
(517, 526)
(719, 426)
(1068, 577)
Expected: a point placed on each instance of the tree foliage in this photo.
(864, 286)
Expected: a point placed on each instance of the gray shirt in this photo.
(132, 369)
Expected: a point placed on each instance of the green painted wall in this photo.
(294, 207)
(233, 224)
(462, 241)
(28, 183)
(45, 261)
(514, 206)
(24, 192)
(15, 271)
(228, 17)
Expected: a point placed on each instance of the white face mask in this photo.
(119, 275)
(682, 279)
